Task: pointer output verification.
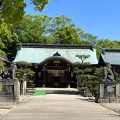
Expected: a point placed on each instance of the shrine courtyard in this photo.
(59, 107)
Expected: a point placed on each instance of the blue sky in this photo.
(97, 17)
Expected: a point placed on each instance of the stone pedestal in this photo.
(108, 91)
(10, 90)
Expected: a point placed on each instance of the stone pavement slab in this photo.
(7, 106)
(59, 107)
(2, 111)
(112, 106)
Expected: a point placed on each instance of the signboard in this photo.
(109, 88)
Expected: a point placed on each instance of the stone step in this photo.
(62, 92)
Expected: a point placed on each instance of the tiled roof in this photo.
(39, 54)
(111, 56)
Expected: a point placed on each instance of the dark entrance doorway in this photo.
(57, 78)
(56, 71)
(56, 82)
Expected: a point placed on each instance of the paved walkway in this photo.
(59, 107)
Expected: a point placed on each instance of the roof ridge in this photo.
(63, 46)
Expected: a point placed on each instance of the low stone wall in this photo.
(10, 90)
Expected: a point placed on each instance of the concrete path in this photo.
(59, 107)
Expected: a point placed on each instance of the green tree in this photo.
(8, 40)
(3, 37)
(94, 80)
(82, 70)
(40, 4)
(61, 28)
(59, 22)
(105, 43)
(24, 70)
(89, 39)
(42, 29)
(33, 29)
(4, 34)
(67, 35)
(12, 11)
(118, 42)
(24, 73)
(87, 79)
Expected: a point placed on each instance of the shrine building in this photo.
(112, 56)
(53, 63)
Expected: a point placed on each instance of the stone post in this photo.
(17, 88)
(118, 90)
(101, 90)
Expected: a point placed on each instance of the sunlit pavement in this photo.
(59, 107)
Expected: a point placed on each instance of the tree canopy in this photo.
(12, 11)
(67, 35)
(105, 43)
(47, 30)
(33, 29)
